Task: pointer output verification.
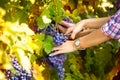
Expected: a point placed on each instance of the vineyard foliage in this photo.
(19, 21)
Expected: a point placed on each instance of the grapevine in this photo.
(59, 38)
(28, 31)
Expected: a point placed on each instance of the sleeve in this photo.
(112, 27)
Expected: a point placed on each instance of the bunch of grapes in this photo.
(58, 60)
(19, 73)
(58, 38)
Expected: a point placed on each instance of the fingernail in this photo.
(50, 55)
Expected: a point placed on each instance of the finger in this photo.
(74, 33)
(62, 29)
(66, 24)
(56, 48)
(69, 30)
(55, 53)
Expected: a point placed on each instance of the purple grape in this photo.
(67, 20)
(50, 29)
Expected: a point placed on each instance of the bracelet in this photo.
(77, 44)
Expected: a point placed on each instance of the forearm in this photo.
(92, 39)
(94, 22)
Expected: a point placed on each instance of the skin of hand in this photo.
(94, 38)
(63, 29)
(87, 23)
(66, 47)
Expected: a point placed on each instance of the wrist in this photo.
(77, 44)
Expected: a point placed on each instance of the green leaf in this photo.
(68, 76)
(40, 22)
(41, 36)
(47, 47)
(48, 44)
(56, 10)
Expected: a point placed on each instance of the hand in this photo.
(66, 47)
(75, 29)
(63, 26)
(67, 28)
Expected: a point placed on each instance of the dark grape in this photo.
(67, 20)
(50, 29)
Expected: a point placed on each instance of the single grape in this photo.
(67, 20)
(50, 29)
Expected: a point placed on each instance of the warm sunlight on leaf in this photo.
(37, 72)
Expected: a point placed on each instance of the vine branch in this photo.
(56, 14)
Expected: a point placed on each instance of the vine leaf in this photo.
(41, 36)
(48, 44)
(40, 22)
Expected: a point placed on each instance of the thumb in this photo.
(73, 35)
(55, 53)
(66, 24)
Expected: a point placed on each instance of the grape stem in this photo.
(56, 16)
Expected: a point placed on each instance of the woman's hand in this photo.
(72, 28)
(92, 23)
(63, 26)
(66, 47)
(75, 29)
